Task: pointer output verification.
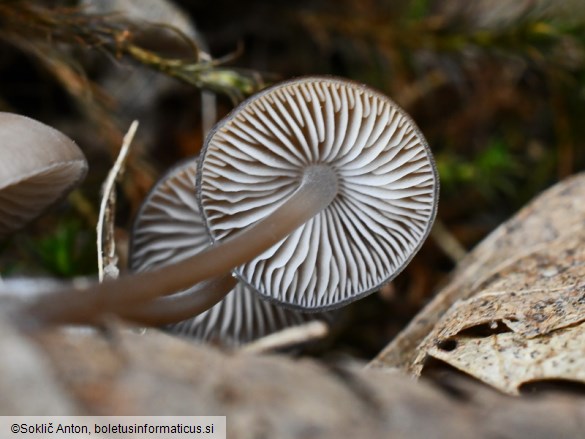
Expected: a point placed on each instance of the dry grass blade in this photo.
(106, 244)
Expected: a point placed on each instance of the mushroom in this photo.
(38, 165)
(342, 157)
(169, 228)
(318, 190)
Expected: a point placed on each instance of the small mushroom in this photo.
(38, 165)
(318, 190)
(344, 159)
(169, 228)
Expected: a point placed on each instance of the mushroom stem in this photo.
(316, 191)
(183, 305)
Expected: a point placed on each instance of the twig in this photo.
(24, 23)
(288, 337)
(106, 246)
(447, 242)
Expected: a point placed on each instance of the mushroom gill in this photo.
(384, 204)
(169, 228)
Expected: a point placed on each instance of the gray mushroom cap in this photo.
(38, 165)
(168, 228)
(386, 200)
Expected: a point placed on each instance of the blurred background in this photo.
(497, 88)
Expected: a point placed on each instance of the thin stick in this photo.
(288, 337)
(108, 209)
(447, 242)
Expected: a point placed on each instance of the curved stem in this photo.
(183, 305)
(83, 303)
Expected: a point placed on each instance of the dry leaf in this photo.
(559, 212)
(529, 313)
(534, 297)
(509, 360)
(526, 278)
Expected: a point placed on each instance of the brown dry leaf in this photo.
(529, 313)
(509, 360)
(526, 278)
(535, 297)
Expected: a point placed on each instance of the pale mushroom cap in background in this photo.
(38, 164)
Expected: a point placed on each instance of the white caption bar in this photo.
(127, 427)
